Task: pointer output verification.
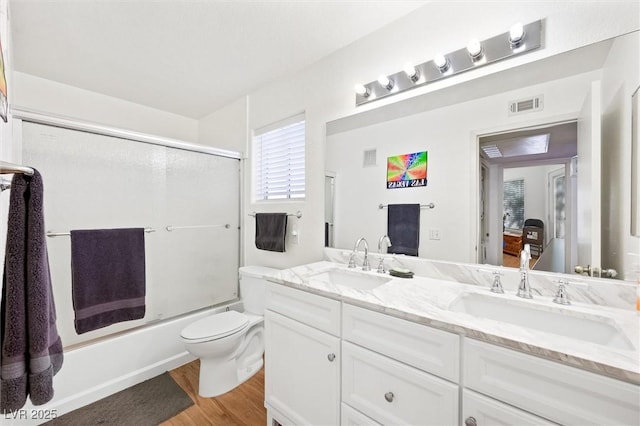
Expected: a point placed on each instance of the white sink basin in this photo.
(575, 325)
(353, 279)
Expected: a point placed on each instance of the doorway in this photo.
(522, 184)
(329, 199)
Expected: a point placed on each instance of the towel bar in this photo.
(66, 234)
(422, 206)
(171, 228)
(298, 214)
(10, 168)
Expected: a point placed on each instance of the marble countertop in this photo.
(426, 300)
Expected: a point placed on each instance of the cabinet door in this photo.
(482, 411)
(302, 373)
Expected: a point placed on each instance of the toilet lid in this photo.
(216, 326)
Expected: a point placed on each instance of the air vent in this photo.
(369, 158)
(526, 105)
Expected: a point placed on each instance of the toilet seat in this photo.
(215, 327)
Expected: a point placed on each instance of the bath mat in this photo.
(147, 403)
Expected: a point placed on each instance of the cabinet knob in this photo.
(331, 357)
(388, 396)
(470, 421)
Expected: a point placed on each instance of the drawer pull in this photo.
(470, 421)
(331, 357)
(388, 396)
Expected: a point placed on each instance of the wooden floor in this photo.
(514, 261)
(243, 406)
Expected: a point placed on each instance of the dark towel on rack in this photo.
(403, 228)
(271, 229)
(108, 276)
(31, 350)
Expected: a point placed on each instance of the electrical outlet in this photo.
(434, 234)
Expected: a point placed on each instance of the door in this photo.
(302, 373)
(589, 185)
(329, 196)
(556, 214)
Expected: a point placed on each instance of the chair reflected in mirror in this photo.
(533, 234)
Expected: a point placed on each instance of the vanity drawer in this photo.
(394, 393)
(487, 411)
(316, 311)
(549, 389)
(351, 417)
(421, 346)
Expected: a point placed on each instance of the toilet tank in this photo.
(253, 287)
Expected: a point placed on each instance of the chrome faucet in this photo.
(365, 262)
(496, 287)
(561, 297)
(524, 289)
(383, 239)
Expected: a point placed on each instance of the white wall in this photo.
(60, 99)
(226, 128)
(325, 90)
(621, 77)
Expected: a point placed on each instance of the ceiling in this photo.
(562, 144)
(185, 57)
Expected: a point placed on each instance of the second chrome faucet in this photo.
(365, 262)
(524, 289)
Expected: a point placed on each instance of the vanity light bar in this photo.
(518, 40)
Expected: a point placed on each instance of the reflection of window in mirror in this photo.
(513, 205)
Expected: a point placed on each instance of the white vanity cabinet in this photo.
(302, 354)
(333, 363)
(557, 392)
(389, 369)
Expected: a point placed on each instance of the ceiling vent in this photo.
(526, 105)
(369, 158)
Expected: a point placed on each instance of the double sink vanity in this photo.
(352, 347)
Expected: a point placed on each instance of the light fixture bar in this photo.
(494, 49)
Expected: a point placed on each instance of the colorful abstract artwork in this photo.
(407, 170)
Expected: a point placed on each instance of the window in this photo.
(278, 160)
(513, 204)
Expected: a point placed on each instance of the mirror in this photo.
(448, 124)
(635, 163)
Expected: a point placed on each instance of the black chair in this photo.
(533, 234)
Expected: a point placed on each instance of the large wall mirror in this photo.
(635, 163)
(576, 183)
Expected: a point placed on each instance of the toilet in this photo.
(230, 344)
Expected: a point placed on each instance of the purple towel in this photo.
(403, 228)
(31, 350)
(108, 277)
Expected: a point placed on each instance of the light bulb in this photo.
(411, 72)
(441, 62)
(516, 34)
(385, 82)
(474, 48)
(361, 90)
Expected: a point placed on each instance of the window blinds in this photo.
(279, 161)
(513, 203)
